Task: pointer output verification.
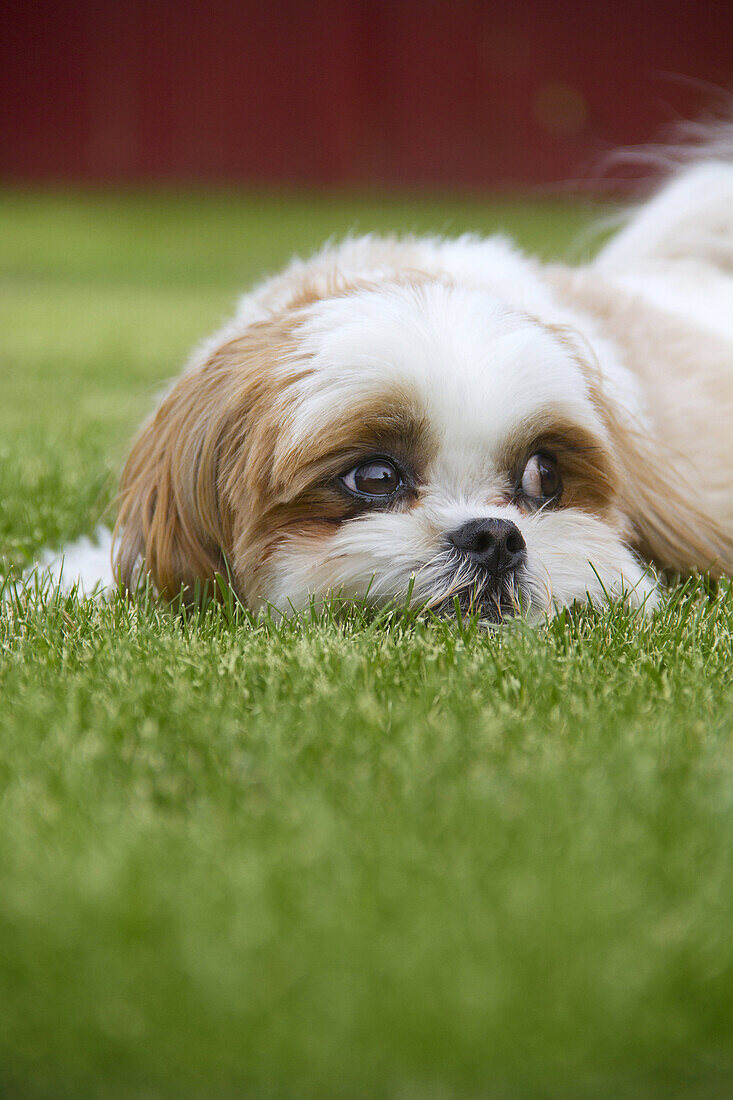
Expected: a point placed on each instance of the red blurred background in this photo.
(470, 93)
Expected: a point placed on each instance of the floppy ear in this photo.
(685, 376)
(667, 527)
(169, 515)
(197, 462)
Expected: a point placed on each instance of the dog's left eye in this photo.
(541, 480)
(377, 478)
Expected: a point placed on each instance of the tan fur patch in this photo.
(185, 482)
(675, 484)
(309, 501)
(587, 467)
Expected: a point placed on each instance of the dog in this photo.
(453, 423)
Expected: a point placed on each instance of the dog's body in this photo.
(450, 419)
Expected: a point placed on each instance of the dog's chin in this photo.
(465, 605)
(483, 598)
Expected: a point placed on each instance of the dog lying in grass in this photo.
(452, 422)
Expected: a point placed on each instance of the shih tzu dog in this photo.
(453, 422)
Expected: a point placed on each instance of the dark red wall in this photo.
(396, 92)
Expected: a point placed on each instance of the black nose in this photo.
(497, 544)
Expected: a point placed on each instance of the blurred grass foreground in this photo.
(368, 858)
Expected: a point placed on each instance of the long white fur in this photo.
(464, 355)
(676, 250)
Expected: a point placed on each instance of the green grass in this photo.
(375, 857)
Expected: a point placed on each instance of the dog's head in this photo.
(405, 432)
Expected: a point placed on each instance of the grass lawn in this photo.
(371, 859)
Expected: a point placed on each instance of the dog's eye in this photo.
(376, 478)
(541, 479)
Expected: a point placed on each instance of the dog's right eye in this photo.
(375, 480)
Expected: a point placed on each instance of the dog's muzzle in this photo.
(486, 558)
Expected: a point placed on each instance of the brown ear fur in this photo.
(182, 485)
(668, 526)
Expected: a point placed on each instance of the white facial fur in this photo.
(476, 370)
(570, 556)
(476, 365)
